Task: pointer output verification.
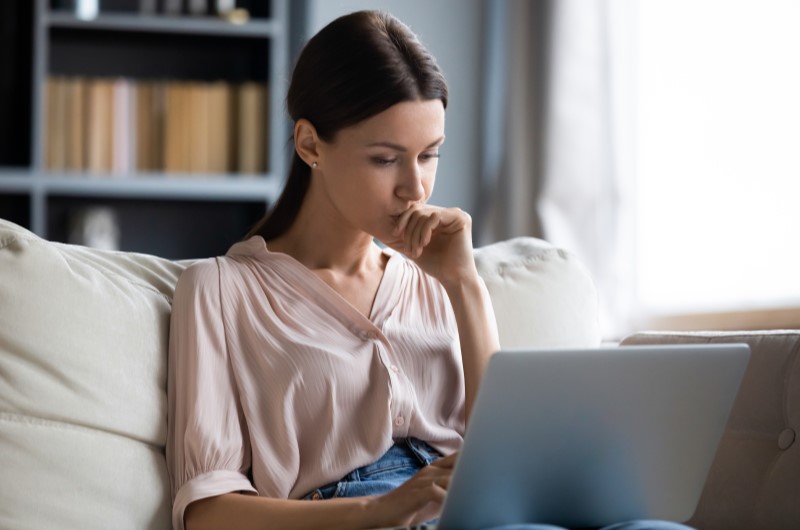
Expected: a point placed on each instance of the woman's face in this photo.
(377, 169)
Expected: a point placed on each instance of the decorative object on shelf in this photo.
(95, 227)
(236, 16)
(87, 9)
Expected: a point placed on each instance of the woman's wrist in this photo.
(366, 513)
(464, 283)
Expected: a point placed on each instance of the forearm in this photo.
(477, 331)
(250, 512)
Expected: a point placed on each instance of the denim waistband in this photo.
(398, 464)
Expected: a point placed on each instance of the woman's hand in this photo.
(417, 500)
(438, 239)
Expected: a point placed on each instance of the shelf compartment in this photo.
(16, 58)
(16, 207)
(158, 56)
(257, 9)
(186, 229)
(167, 24)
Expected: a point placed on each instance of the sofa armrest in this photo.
(754, 482)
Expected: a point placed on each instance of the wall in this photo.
(451, 30)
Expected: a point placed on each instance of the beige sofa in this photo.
(83, 346)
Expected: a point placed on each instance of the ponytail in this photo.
(283, 213)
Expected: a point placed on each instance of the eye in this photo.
(425, 157)
(379, 161)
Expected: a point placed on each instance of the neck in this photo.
(319, 239)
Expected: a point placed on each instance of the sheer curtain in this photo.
(658, 141)
(566, 162)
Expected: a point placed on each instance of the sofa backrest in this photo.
(83, 349)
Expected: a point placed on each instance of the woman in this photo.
(309, 363)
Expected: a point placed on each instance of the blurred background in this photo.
(657, 140)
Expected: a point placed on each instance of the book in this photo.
(75, 159)
(173, 7)
(56, 126)
(197, 7)
(123, 126)
(148, 7)
(198, 128)
(252, 119)
(100, 95)
(220, 125)
(177, 119)
(149, 126)
(49, 128)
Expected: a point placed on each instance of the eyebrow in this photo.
(398, 147)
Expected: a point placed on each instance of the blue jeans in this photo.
(408, 456)
(400, 462)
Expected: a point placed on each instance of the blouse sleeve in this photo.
(208, 451)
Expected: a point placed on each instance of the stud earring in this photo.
(314, 165)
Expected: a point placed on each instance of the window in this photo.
(718, 157)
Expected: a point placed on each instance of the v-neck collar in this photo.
(386, 296)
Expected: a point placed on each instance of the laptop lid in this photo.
(586, 438)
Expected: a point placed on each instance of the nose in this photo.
(411, 186)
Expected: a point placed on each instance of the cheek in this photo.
(428, 181)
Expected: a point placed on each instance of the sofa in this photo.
(83, 357)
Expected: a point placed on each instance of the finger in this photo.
(403, 220)
(424, 233)
(415, 237)
(432, 508)
(443, 482)
(412, 228)
(446, 462)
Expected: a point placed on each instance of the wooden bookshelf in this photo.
(101, 71)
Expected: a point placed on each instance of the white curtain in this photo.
(567, 159)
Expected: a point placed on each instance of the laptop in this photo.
(587, 438)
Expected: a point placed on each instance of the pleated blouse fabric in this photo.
(277, 385)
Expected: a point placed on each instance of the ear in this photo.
(306, 141)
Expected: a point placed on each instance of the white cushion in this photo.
(83, 341)
(83, 348)
(542, 295)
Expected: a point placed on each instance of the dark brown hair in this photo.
(356, 67)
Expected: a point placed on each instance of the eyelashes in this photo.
(386, 162)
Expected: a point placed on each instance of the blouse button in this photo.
(399, 421)
(394, 368)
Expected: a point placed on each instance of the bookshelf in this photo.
(173, 124)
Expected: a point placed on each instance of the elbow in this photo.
(199, 514)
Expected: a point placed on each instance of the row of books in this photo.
(124, 126)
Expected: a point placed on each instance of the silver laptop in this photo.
(588, 438)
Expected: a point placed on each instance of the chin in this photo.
(385, 239)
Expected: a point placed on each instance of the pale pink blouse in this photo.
(277, 385)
